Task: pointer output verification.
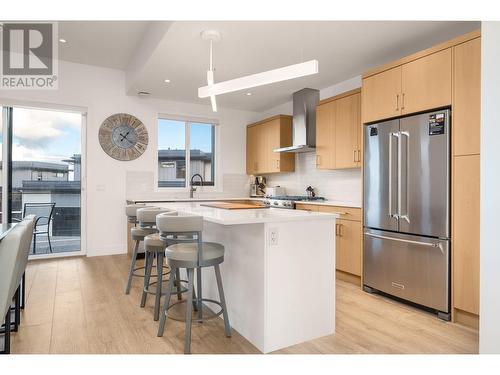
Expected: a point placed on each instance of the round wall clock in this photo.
(123, 136)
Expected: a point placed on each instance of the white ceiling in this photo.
(344, 49)
(110, 44)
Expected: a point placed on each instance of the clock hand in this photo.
(124, 136)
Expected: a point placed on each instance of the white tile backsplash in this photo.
(341, 185)
(142, 185)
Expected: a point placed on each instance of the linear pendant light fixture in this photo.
(254, 80)
(212, 36)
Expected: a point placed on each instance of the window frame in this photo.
(188, 120)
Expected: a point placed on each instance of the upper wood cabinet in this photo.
(265, 136)
(426, 82)
(252, 152)
(347, 132)
(467, 98)
(418, 85)
(325, 136)
(338, 127)
(382, 95)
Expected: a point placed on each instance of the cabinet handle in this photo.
(336, 229)
(278, 163)
(318, 160)
(340, 230)
(359, 156)
(403, 101)
(355, 159)
(397, 102)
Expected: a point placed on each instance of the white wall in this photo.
(110, 182)
(489, 331)
(344, 185)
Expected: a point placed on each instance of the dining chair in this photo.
(44, 213)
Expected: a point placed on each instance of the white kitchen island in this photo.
(278, 271)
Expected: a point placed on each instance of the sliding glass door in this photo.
(43, 175)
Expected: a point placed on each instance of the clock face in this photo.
(123, 137)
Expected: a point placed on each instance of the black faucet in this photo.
(193, 189)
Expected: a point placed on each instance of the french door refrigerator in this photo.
(407, 209)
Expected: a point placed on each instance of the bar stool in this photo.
(155, 246)
(138, 233)
(192, 256)
(137, 236)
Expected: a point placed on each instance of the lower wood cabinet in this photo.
(465, 238)
(348, 240)
(349, 246)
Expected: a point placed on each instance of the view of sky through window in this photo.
(44, 135)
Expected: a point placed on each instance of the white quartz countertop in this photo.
(246, 216)
(339, 203)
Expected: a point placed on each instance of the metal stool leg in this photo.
(147, 276)
(178, 283)
(189, 312)
(132, 267)
(166, 304)
(159, 280)
(227, 326)
(199, 298)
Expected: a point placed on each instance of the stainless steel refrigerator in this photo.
(407, 209)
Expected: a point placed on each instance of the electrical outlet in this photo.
(273, 236)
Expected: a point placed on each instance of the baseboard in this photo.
(107, 250)
(466, 318)
(349, 277)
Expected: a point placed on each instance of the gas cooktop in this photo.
(296, 198)
(288, 201)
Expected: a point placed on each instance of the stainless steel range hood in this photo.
(304, 121)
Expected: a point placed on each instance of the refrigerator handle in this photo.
(392, 134)
(406, 213)
(427, 244)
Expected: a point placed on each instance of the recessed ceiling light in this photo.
(167, 81)
(248, 94)
(62, 40)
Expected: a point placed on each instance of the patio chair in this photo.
(43, 213)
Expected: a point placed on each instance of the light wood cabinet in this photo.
(418, 85)
(348, 239)
(382, 95)
(338, 127)
(467, 98)
(426, 83)
(252, 149)
(262, 138)
(325, 136)
(347, 132)
(349, 246)
(465, 233)
(307, 207)
(449, 73)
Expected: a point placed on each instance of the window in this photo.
(36, 176)
(179, 141)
